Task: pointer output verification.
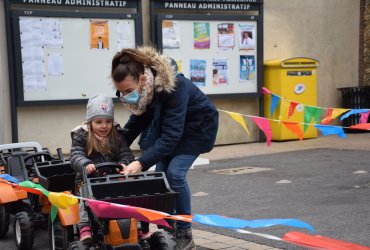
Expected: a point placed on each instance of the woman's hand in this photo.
(90, 168)
(134, 167)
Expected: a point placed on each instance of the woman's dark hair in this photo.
(129, 62)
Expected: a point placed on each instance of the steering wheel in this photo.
(106, 168)
(36, 157)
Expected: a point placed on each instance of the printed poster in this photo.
(247, 68)
(226, 37)
(99, 35)
(220, 72)
(170, 34)
(198, 72)
(124, 35)
(202, 38)
(247, 36)
(52, 32)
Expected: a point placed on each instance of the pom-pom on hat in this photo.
(99, 106)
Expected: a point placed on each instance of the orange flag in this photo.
(362, 126)
(294, 127)
(332, 114)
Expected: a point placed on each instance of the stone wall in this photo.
(366, 44)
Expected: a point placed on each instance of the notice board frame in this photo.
(242, 10)
(17, 10)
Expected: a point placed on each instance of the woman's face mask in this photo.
(132, 98)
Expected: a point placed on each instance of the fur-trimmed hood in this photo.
(164, 81)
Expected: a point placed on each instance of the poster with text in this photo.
(247, 68)
(202, 38)
(170, 34)
(220, 72)
(226, 37)
(198, 72)
(247, 39)
(99, 34)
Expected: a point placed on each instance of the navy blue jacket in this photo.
(188, 123)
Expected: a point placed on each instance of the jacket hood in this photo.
(164, 81)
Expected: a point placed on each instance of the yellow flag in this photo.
(337, 112)
(239, 118)
(62, 200)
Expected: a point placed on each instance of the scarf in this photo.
(146, 94)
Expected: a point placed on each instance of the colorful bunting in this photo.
(264, 125)
(239, 118)
(294, 127)
(265, 91)
(331, 130)
(110, 210)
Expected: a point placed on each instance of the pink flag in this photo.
(264, 125)
(104, 209)
(364, 117)
(265, 91)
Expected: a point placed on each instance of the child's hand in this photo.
(90, 168)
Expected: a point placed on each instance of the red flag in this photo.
(292, 107)
(362, 126)
(321, 242)
(328, 118)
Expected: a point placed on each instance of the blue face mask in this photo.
(132, 98)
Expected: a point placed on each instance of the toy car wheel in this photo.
(4, 220)
(23, 230)
(158, 241)
(59, 236)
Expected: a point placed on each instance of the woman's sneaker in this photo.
(85, 234)
(184, 239)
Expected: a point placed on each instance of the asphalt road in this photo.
(318, 186)
(327, 188)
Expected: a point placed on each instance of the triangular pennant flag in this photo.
(274, 102)
(239, 118)
(53, 213)
(321, 242)
(235, 223)
(294, 127)
(62, 200)
(353, 112)
(328, 118)
(9, 178)
(292, 107)
(364, 117)
(265, 91)
(331, 130)
(7, 193)
(337, 112)
(30, 184)
(264, 125)
(310, 112)
(362, 126)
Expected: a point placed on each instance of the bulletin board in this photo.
(218, 45)
(219, 65)
(66, 57)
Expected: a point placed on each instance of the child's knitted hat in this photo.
(99, 106)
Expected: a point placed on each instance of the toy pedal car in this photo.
(146, 190)
(30, 211)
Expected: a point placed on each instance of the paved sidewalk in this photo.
(207, 240)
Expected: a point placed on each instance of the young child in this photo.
(96, 141)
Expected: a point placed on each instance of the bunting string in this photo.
(103, 209)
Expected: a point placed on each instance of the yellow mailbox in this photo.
(294, 80)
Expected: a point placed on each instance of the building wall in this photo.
(324, 30)
(5, 127)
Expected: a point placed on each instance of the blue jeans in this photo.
(176, 169)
